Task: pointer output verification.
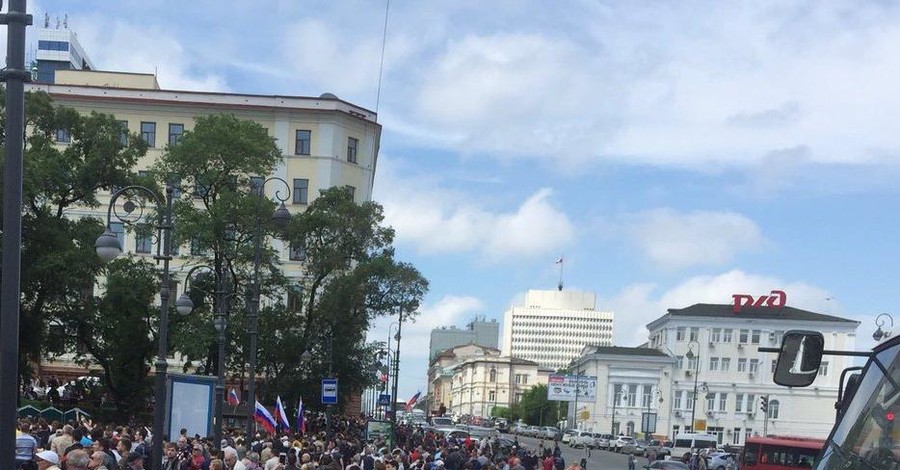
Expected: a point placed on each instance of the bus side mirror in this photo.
(799, 358)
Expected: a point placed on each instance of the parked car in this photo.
(567, 436)
(662, 448)
(667, 465)
(635, 447)
(501, 425)
(582, 439)
(718, 460)
(622, 441)
(550, 432)
(603, 441)
(534, 431)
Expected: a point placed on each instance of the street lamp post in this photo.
(655, 393)
(15, 76)
(690, 355)
(616, 395)
(184, 304)
(396, 373)
(280, 217)
(108, 247)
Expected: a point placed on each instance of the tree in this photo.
(58, 259)
(534, 407)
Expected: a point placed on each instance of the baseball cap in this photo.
(49, 456)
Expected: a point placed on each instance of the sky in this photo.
(671, 152)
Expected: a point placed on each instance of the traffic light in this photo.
(764, 403)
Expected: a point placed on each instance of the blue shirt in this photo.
(25, 445)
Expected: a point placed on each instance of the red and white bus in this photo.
(780, 453)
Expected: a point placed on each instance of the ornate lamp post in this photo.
(690, 355)
(396, 374)
(108, 247)
(280, 218)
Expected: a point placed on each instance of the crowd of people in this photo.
(46, 445)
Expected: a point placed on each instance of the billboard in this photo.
(190, 404)
(563, 388)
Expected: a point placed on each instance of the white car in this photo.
(582, 439)
(623, 441)
(568, 435)
(719, 460)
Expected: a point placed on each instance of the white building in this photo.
(731, 375)
(58, 49)
(480, 383)
(553, 327)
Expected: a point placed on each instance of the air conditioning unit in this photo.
(772, 337)
(711, 345)
(709, 413)
(750, 414)
(740, 345)
(751, 375)
(678, 414)
(688, 372)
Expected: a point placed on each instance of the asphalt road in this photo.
(598, 460)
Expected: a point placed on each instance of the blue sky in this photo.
(672, 152)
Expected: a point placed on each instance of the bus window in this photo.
(751, 454)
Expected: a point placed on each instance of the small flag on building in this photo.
(233, 398)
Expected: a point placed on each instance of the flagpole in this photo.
(560, 263)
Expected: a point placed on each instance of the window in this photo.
(744, 336)
(775, 363)
(773, 409)
(689, 401)
(726, 364)
(63, 136)
(695, 333)
(53, 45)
(123, 133)
(297, 251)
(676, 429)
(726, 335)
(352, 147)
(778, 335)
(492, 376)
(201, 189)
(521, 379)
(175, 132)
(646, 396)
(677, 404)
(748, 433)
(750, 402)
(196, 248)
(739, 403)
(713, 363)
(679, 362)
(742, 365)
(256, 185)
(295, 300)
(143, 240)
(148, 133)
(492, 396)
(823, 368)
(679, 334)
(723, 401)
(719, 432)
(632, 395)
(754, 366)
(301, 191)
(118, 228)
(715, 335)
(693, 362)
(352, 191)
(302, 146)
(754, 338)
(710, 401)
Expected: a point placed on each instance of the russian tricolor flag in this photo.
(412, 401)
(301, 423)
(280, 415)
(264, 418)
(233, 398)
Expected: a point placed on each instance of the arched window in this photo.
(493, 375)
(773, 409)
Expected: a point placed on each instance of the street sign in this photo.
(329, 391)
(699, 425)
(384, 399)
(648, 423)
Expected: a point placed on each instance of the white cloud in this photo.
(675, 240)
(439, 220)
(639, 304)
(415, 336)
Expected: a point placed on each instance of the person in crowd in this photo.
(62, 441)
(98, 461)
(47, 460)
(78, 459)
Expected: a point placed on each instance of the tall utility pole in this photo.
(15, 77)
(394, 390)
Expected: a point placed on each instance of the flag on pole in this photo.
(301, 423)
(233, 398)
(412, 401)
(559, 260)
(280, 415)
(264, 418)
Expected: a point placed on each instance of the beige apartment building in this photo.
(325, 142)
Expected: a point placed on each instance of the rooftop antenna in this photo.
(66, 21)
(46, 20)
(560, 263)
(57, 22)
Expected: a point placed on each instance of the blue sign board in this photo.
(384, 399)
(329, 391)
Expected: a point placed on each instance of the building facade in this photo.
(478, 331)
(553, 327)
(481, 383)
(325, 142)
(442, 367)
(57, 49)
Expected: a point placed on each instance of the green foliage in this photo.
(501, 412)
(535, 409)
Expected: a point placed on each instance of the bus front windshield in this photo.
(867, 438)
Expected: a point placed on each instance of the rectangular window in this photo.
(256, 185)
(646, 396)
(352, 191)
(297, 252)
(726, 335)
(744, 336)
(689, 401)
(676, 429)
(677, 404)
(823, 368)
(726, 364)
(736, 436)
(679, 362)
(63, 136)
(693, 362)
(695, 334)
(148, 133)
(302, 146)
(123, 134)
(632, 395)
(143, 240)
(713, 364)
(739, 403)
(754, 366)
(175, 133)
(118, 228)
(742, 365)
(679, 334)
(715, 335)
(196, 249)
(492, 395)
(352, 147)
(723, 401)
(294, 300)
(755, 337)
(710, 402)
(748, 433)
(751, 402)
(301, 191)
